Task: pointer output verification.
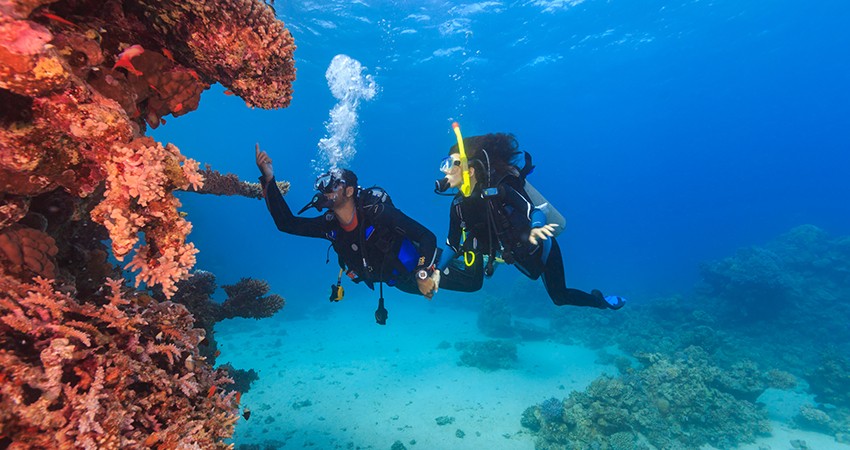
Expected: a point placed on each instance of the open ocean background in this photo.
(669, 133)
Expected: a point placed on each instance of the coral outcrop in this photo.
(86, 362)
(488, 355)
(248, 298)
(767, 315)
(676, 402)
(216, 183)
(117, 375)
(81, 80)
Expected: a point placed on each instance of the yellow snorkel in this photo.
(466, 187)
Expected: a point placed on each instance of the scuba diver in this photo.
(493, 214)
(374, 241)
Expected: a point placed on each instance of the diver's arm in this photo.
(283, 217)
(540, 230)
(520, 204)
(453, 240)
(424, 239)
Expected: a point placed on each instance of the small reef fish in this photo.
(246, 414)
(211, 392)
(125, 57)
(228, 92)
(168, 54)
(56, 18)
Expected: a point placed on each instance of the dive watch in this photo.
(423, 273)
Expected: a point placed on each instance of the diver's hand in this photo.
(542, 233)
(436, 277)
(427, 287)
(264, 163)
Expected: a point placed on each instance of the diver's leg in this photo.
(408, 285)
(457, 276)
(555, 282)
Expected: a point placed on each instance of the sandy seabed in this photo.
(343, 382)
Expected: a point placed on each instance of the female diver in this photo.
(493, 215)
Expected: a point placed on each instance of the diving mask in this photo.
(327, 182)
(448, 163)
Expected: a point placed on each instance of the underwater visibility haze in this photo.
(698, 150)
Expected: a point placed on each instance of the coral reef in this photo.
(81, 80)
(79, 375)
(229, 184)
(242, 379)
(488, 355)
(247, 299)
(815, 419)
(494, 318)
(830, 380)
(778, 306)
(669, 403)
(84, 361)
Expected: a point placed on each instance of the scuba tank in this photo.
(540, 202)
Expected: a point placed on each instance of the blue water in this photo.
(668, 133)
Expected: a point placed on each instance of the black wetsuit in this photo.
(386, 245)
(503, 230)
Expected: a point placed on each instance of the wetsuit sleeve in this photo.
(424, 239)
(535, 217)
(283, 217)
(538, 218)
(453, 240)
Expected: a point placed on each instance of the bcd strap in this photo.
(469, 258)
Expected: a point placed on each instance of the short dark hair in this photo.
(348, 177)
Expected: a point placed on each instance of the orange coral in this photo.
(140, 178)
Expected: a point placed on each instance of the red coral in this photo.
(104, 377)
(28, 251)
(106, 369)
(78, 107)
(254, 61)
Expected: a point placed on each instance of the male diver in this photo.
(493, 215)
(374, 241)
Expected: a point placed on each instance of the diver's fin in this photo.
(552, 214)
(612, 301)
(615, 301)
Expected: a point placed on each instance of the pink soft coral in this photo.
(140, 178)
(123, 375)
